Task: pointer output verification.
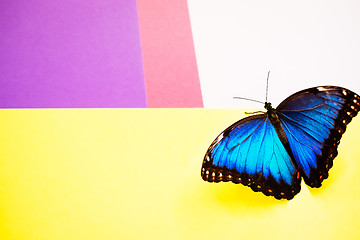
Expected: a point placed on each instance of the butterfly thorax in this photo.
(271, 114)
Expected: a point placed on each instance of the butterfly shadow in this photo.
(336, 176)
(239, 196)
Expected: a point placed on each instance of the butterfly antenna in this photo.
(267, 85)
(249, 99)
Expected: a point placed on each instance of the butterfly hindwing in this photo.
(314, 121)
(250, 152)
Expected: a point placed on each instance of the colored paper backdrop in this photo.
(141, 54)
(109, 174)
(90, 54)
(304, 44)
(121, 173)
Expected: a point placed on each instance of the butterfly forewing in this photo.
(314, 121)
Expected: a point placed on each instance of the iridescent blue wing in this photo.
(314, 121)
(250, 152)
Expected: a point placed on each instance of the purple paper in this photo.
(70, 54)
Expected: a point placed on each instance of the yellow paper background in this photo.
(135, 174)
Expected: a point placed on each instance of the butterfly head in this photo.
(268, 106)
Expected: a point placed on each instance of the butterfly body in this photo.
(271, 152)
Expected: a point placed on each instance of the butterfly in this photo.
(271, 152)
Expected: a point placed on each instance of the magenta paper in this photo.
(70, 54)
(171, 75)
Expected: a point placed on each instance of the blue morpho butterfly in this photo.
(271, 152)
